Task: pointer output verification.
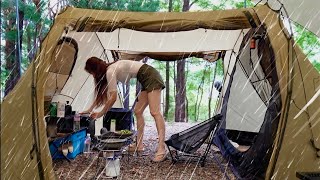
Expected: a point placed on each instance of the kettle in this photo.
(68, 109)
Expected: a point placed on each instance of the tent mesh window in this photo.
(64, 59)
(258, 64)
(64, 56)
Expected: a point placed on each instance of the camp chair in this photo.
(187, 142)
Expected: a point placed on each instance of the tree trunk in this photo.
(29, 46)
(187, 109)
(174, 78)
(167, 98)
(186, 5)
(12, 64)
(180, 109)
(187, 101)
(19, 50)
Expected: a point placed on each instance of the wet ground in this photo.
(140, 166)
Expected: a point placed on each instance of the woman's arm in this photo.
(112, 97)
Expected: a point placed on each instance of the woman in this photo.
(106, 76)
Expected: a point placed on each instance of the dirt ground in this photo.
(141, 166)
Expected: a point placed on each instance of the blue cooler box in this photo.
(77, 139)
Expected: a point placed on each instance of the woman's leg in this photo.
(138, 111)
(154, 99)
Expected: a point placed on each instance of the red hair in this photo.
(98, 68)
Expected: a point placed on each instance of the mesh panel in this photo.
(191, 139)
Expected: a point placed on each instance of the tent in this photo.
(265, 87)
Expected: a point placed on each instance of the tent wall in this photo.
(230, 60)
(18, 158)
(243, 97)
(245, 109)
(80, 85)
(306, 13)
(286, 158)
(297, 153)
(250, 103)
(59, 72)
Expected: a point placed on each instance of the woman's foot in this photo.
(161, 156)
(134, 148)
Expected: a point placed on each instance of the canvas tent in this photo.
(269, 84)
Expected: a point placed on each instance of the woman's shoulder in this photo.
(129, 61)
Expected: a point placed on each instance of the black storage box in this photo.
(123, 117)
(65, 124)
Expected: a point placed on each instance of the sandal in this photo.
(160, 157)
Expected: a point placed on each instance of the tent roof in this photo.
(306, 13)
(106, 21)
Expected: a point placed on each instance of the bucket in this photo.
(112, 167)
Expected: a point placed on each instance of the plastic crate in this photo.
(77, 139)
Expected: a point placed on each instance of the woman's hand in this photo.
(96, 115)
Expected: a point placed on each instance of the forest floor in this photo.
(141, 167)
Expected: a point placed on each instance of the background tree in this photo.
(180, 107)
(167, 99)
(12, 65)
(20, 20)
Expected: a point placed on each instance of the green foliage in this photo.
(316, 64)
(143, 5)
(30, 13)
(31, 18)
(241, 4)
(176, 5)
(3, 76)
(223, 4)
(219, 68)
(123, 5)
(309, 42)
(11, 35)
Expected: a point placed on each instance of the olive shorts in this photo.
(149, 78)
